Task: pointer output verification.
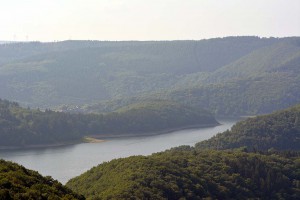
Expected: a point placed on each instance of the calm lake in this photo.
(63, 163)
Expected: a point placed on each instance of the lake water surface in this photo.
(63, 163)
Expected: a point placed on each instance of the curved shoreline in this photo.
(103, 137)
(152, 133)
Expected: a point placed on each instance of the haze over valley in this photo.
(149, 100)
(90, 76)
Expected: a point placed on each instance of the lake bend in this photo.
(66, 162)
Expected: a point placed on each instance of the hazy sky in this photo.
(49, 20)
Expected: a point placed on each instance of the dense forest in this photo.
(234, 98)
(22, 127)
(259, 73)
(17, 182)
(106, 89)
(277, 131)
(186, 173)
(180, 173)
(160, 115)
(257, 163)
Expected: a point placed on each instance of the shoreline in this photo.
(41, 146)
(89, 139)
(152, 133)
(103, 137)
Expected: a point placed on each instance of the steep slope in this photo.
(279, 130)
(17, 182)
(188, 174)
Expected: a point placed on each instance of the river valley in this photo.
(66, 162)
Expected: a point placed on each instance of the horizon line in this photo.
(162, 40)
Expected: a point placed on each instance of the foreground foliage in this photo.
(185, 173)
(17, 182)
(279, 130)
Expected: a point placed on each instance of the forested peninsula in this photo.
(21, 127)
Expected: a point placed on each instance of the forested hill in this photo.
(22, 127)
(202, 172)
(262, 78)
(84, 72)
(17, 182)
(184, 173)
(279, 130)
(163, 115)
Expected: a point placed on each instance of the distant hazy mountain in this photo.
(6, 42)
(233, 75)
(262, 81)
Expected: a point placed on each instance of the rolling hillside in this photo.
(258, 158)
(184, 173)
(83, 72)
(277, 131)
